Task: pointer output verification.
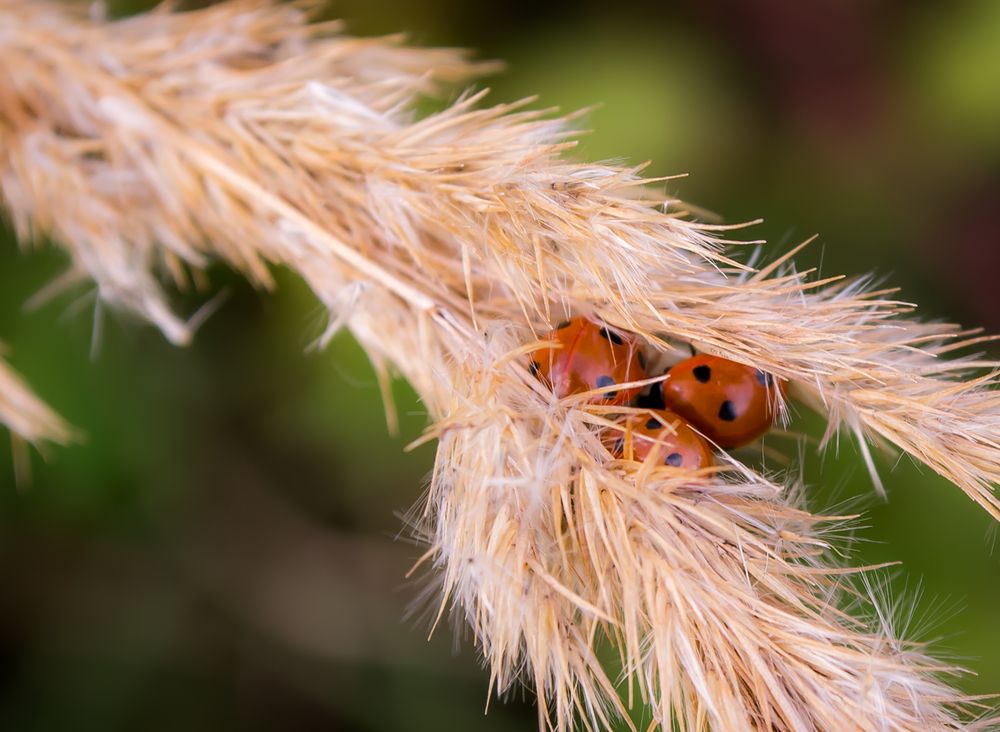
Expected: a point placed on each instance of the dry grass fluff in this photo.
(152, 146)
(27, 418)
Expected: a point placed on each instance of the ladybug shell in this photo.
(730, 403)
(676, 442)
(589, 356)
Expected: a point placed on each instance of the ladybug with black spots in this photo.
(730, 403)
(674, 441)
(586, 356)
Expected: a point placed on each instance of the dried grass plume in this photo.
(152, 146)
(29, 420)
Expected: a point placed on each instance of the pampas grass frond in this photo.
(448, 245)
(24, 415)
(29, 420)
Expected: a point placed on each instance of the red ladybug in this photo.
(730, 403)
(676, 442)
(590, 356)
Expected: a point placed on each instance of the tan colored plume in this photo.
(27, 417)
(151, 146)
(24, 414)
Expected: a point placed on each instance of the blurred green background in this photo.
(220, 553)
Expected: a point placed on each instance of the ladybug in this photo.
(590, 356)
(730, 403)
(677, 443)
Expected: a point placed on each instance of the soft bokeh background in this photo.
(220, 554)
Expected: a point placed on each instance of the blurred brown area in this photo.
(222, 553)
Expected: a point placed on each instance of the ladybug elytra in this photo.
(676, 443)
(590, 356)
(730, 403)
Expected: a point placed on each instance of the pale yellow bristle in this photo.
(239, 133)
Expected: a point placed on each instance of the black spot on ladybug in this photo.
(564, 324)
(603, 381)
(534, 367)
(642, 359)
(727, 412)
(612, 336)
(653, 424)
(764, 379)
(702, 373)
(675, 459)
(619, 446)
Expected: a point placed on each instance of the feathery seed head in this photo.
(449, 245)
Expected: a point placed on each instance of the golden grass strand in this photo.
(27, 417)
(152, 146)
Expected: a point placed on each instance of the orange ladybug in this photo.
(730, 403)
(659, 429)
(590, 356)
